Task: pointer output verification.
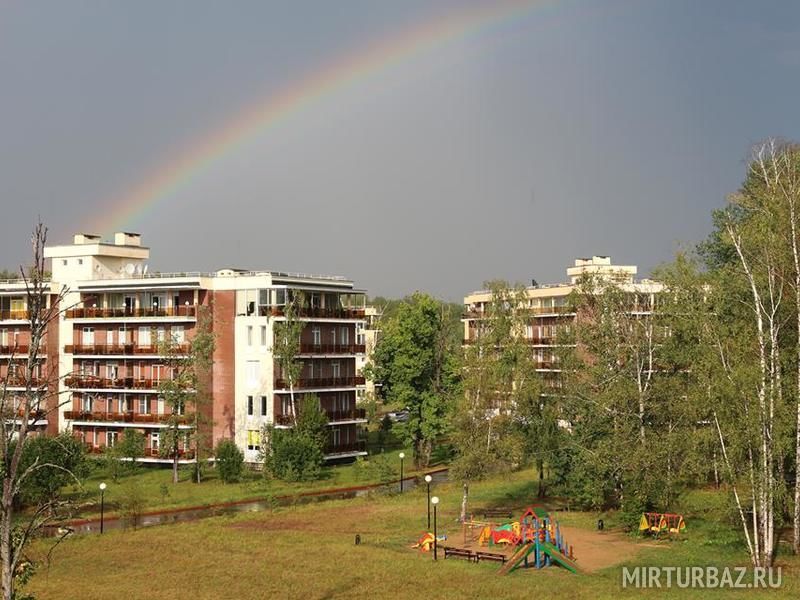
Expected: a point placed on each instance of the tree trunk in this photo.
(464, 498)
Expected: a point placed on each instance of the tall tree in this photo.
(415, 362)
(187, 392)
(287, 346)
(500, 404)
(20, 411)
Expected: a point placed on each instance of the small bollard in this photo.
(358, 539)
(600, 525)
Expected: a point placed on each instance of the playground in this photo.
(530, 539)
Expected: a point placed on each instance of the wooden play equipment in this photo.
(658, 523)
(537, 536)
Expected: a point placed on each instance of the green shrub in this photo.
(67, 457)
(230, 461)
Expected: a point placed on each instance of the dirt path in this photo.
(597, 550)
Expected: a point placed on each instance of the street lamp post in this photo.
(428, 480)
(435, 502)
(102, 504)
(402, 456)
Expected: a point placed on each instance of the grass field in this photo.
(308, 551)
(155, 485)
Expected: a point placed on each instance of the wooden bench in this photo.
(458, 552)
(497, 513)
(479, 556)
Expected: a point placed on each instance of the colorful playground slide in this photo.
(516, 558)
(557, 557)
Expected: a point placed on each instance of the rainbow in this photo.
(164, 182)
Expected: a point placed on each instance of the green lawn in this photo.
(155, 485)
(308, 551)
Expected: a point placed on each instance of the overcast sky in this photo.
(579, 128)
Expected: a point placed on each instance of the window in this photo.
(344, 336)
(161, 334)
(144, 336)
(335, 369)
(253, 439)
(154, 440)
(286, 405)
(80, 261)
(253, 373)
(263, 335)
(86, 404)
(178, 334)
(315, 331)
(249, 406)
(111, 438)
(144, 406)
(87, 337)
(110, 337)
(263, 406)
(160, 405)
(249, 335)
(122, 336)
(64, 262)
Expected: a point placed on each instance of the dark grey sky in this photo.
(582, 127)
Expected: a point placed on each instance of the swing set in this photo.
(658, 523)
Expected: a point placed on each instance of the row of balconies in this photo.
(334, 416)
(534, 310)
(102, 383)
(124, 417)
(148, 452)
(318, 313)
(20, 381)
(189, 310)
(332, 348)
(123, 349)
(320, 382)
(544, 341)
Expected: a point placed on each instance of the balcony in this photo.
(124, 313)
(99, 383)
(14, 315)
(320, 382)
(148, 452)
(19, 381)
(313, 313)
(124, 349)
(334, 416)
(332, 348)
(347, 448)
(124, 417)
(19, 350)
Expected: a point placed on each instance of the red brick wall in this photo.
(223, 305)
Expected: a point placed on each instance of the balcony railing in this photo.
(19, 349)
(148, 452)
(320, 382)
(124, 349)
(124, 417)
(346, 415)
(20, 381)
(332, 348)
(14, 315)
(359, 446)
(333, 416)
(313, 313)
(533, 310)
(122, 383)
(109, 313)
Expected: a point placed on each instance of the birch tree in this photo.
(19, 413)
(287, 347)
